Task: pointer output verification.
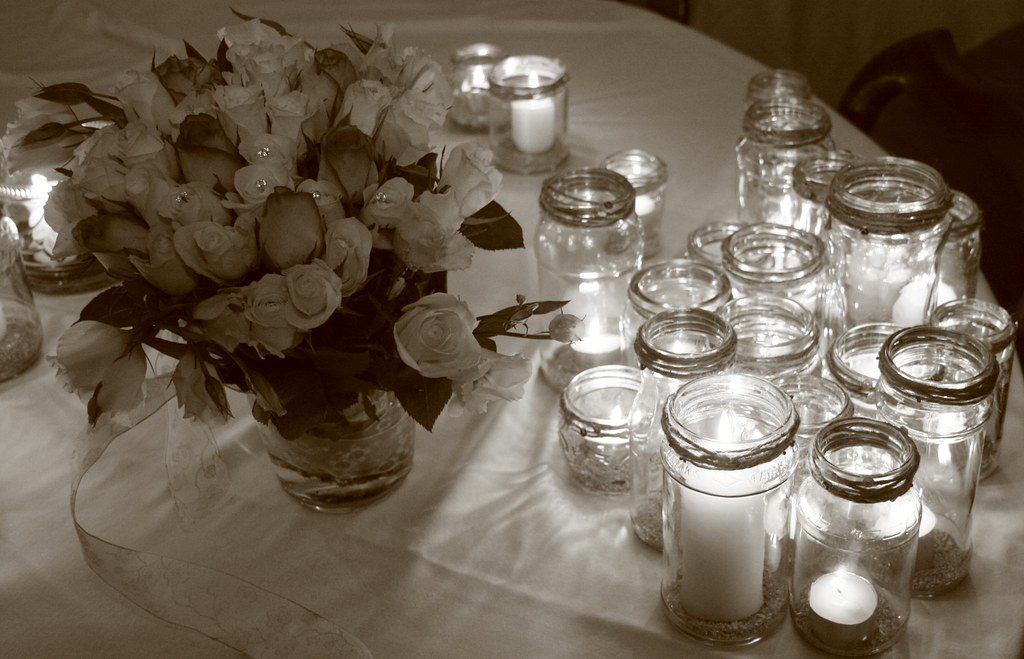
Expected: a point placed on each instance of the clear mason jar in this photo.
(594, 429)
(858, 517)
(674, 347)
(671, 285)
(471, 66)
(529, 114)
(961, 256)
(852, 361)
(811, 180)
(705, 243)
(774, 336)
(818, 402)
(648, 175)
(781, 84)
(21, 335)
(888, 223)
(995, 327)
(588, 244)
(769, 259)
(937, 385)
(727, 461)
(776, 136)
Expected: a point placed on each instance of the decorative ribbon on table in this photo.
(223, 607)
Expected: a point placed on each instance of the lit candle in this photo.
(909, 308)
(644, 205)
(841, 606)
(534, 121)
(597, 349)
(722, 565)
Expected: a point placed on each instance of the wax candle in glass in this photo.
(21, 336)
(588, 244)
(857, 529)
(594, 430)
(676, 284)
(648, 174)
(769, 259)
(471, 66)
(529, 114)
(782, 84)
(812, 177)
(961, 255)
(673, 347)
(774, 336)
(818, 402)
(888, 220)
(705, 243)
(995, 327)
(776, 136)
(937, 385)
(727, 459)
(852, 361)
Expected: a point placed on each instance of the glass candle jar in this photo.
(727, 459)
(768, 259)
(781, 84)
(776, 136)
(673, 347)
(995, 327)
(818, 402)
(594, 430)
(888, 221)
(21, 335)
(677, 284)
(648, 174)
(937, 384)
(852, 362)
(471, 66)
(774, 336)
(529, 114)
(811, 180)
(961, 256)
(857, 525)
(705, 243)
(588, 244)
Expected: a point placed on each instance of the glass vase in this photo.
(852, 362)
(21, 335)
(774, 336)
(343, 465)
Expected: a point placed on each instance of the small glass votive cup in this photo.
(705, 243)
(648, 175)
(471, 66)
(529, 114)
(594, 429)
(852, 362)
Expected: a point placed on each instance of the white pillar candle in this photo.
(534, 121)
(841, 606)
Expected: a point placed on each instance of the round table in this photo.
(488, 549)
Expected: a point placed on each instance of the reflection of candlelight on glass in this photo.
(841, 607)
(533, 121)
(644, 205)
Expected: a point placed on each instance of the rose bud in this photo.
(205, 152)
(164, 268)
(346, 159)
(347, 245)
(181, 76)
(112, 232)
(203, 130)
(291, 231)
(225, 254)
(563, 328)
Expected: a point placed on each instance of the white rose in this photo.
(254, 183)
(147, 188)
(387, 204)
(103, 143)
(287, 113)
(189, 203)
(314, 293)
(92, 354)
(163, 267)
(268, 149)
(260, 56)
(145, 98)
(472, 179)
(328, 198)
(266, 305)
(224, 254)
(430, 240)
(363, 103)
(434, 336)
(194, 102)
(347, 245)
(103, 178)
(497, 377)
(243, 113)
(66, 207)
(141, 145)
(406, 129)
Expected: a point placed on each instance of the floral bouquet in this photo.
(280, 224)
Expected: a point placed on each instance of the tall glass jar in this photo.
(705, 243)
(776, 136)
(728, 458)
(889, 220)
(857, 525)
(818, 402)
(961, 256)
(774, 336)
(529, 115)
(769, 259)
(21, 335)
(937, 385)
(676, 284)
(471, 66)
(995, 327)
(588, 244)
(781, 84)
(648, 175)
(674, 347)
(811, 180)
(852, 361)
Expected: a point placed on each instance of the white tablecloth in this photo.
(487, 549)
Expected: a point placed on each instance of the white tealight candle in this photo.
(534, 121)
(597, 350)
(841, 606)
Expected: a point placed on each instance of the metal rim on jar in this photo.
(988, 322)
(589, 197)
(889, 196)
(786, 122)
(859, 485)
(646, 171)
(972, 389)
(739, 252)
(711, 279)
(669, 360)
(527, 76)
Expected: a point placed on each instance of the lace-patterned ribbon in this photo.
(223, 607)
